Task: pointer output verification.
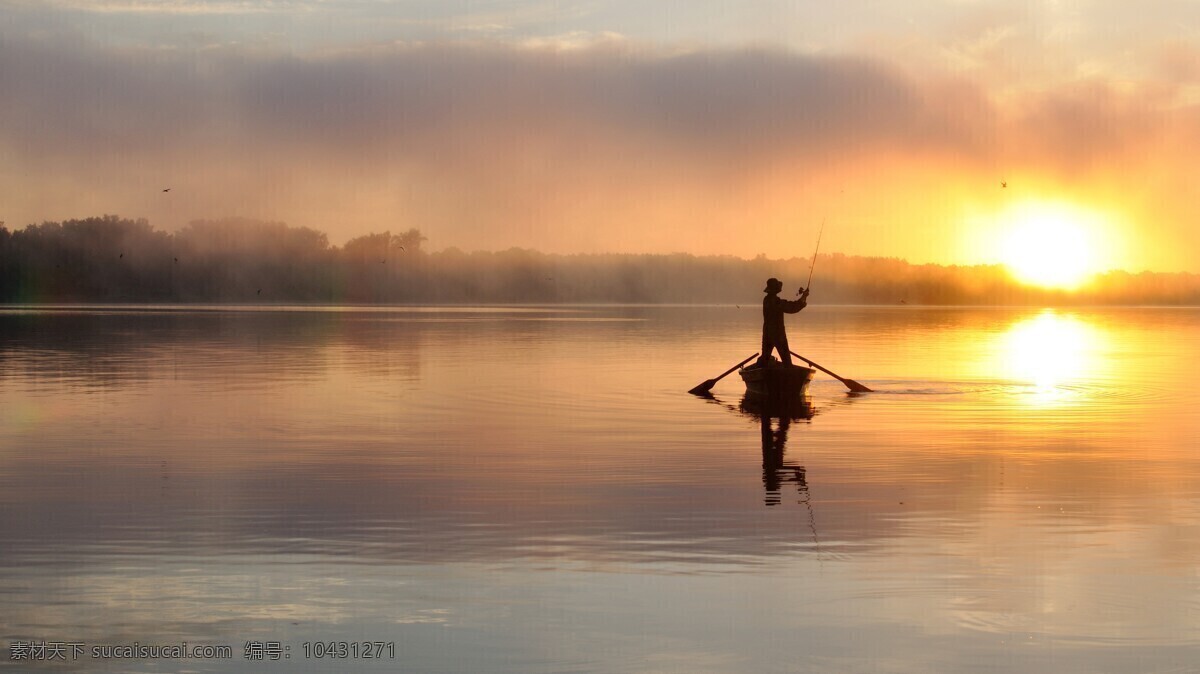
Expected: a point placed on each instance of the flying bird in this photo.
(1003, 184)
(167, 190)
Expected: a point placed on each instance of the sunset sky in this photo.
(701, 126)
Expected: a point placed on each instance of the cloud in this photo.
(1179, 61)
(184, 7)
(405, 98)
(604, 145)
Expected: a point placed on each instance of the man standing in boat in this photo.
(774, 334)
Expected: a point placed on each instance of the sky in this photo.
(943, 131)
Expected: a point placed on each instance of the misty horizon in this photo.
(352, 236)
(109, 258)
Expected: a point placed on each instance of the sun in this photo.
(1051, 245)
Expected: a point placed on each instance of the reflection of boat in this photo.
(789, 407)
(772, 379)
(763, 407)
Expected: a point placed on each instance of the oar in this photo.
(705, 387)
(850, 383)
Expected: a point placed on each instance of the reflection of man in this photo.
(773, 443)
(774, 334)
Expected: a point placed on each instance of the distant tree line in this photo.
(111, 259)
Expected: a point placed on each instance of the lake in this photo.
(530, 489)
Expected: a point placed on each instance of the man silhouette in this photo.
(774, 334)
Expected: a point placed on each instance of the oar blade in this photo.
(704, 388)
(856, 387)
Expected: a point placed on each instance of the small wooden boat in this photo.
(773, 379)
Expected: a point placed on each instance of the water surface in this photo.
(528, 489)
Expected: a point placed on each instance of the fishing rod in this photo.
(814, 260)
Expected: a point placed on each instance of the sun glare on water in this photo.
(1052, 245)
(1051, 353)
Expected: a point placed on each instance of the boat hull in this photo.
(776, 380)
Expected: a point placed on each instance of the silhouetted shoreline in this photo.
(115, 260)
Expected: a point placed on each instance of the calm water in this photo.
(531, 490)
